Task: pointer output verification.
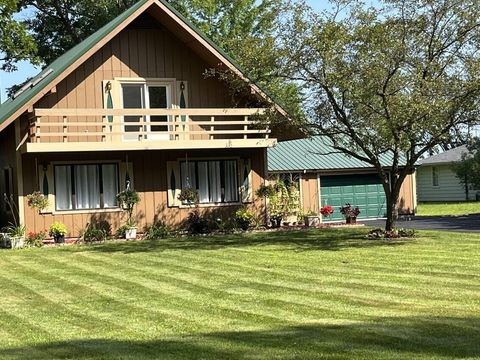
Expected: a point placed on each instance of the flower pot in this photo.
(351, 220)
(131, 233)
(276, 222)
(59, 239)
(312, 221)
(17, 242)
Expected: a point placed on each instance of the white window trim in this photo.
(214, 204)
(84, 211)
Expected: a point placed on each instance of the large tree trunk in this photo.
(392, 209)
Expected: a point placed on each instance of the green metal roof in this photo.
(9, 107)
(51, 72)
(312, 154)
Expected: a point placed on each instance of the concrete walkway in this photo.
(464, 223)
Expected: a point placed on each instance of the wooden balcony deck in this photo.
(144, 129)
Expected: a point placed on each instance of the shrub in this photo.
(158, 230)
(35, 239)
(97, 232)
(348, 211)
(244, 218)
(196, 224)
(128, 199)
(327, 210)
(57, 229)
(394, 234)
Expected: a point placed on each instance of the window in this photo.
(146, 96)
(434, 176)
(86, 186)
(216, 181)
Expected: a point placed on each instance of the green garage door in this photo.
(364, 191)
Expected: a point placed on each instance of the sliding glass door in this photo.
(147, 96)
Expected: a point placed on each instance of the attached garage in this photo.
(362, 190)
(327, 177)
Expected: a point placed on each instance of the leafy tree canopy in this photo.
(397, 78)
(15, 42)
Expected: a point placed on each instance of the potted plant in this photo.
(58, 231)
(188, 196)
(15, 236)
(350, 213)
(243, 217)
(128, 199)
(312, 219)
(327, 211)
(38, 201)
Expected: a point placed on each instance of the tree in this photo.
(467, 170)
(15, 42)
(394, 80)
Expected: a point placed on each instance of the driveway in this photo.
(464, 223)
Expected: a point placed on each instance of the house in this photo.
(327, 177)
(130, 106)
(436, 180)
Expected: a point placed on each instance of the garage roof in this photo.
(446, 157)
(311, 154)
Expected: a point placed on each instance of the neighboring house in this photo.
(436, 180)
(130, 105)
(327, 177)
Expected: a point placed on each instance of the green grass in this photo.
(448, 208)
(296, 295)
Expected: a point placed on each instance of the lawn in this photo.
(295, 295)
(448, 208)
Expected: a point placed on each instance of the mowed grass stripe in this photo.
(94, 308)
(336, 273)
(360, 295)
(330, 280)
(238, 312)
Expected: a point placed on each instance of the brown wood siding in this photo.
(406, 202)
(150, 179)
(310, 196)
(134, 53)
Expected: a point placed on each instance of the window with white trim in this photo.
(86, 186)
(216, 181)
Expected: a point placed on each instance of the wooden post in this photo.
(65, 129)
(37, 130)
(245, 127)
(212, 128)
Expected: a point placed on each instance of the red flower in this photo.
(327, 210)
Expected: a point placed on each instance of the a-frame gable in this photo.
(72, 59)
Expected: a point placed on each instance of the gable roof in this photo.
(314, 154)
(70, 60)
(447, 157)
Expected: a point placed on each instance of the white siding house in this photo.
(436, 180)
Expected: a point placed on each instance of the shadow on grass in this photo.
(411, 337)
(299, 240)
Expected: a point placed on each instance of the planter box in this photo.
(131, 234)
(16, 242)
(312, 221)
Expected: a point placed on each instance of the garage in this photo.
(362, 190)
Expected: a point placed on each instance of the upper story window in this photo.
(216, 181)
(146, 96)
(86, 186)
(434, 176)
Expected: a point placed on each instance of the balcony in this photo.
(145, 129)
